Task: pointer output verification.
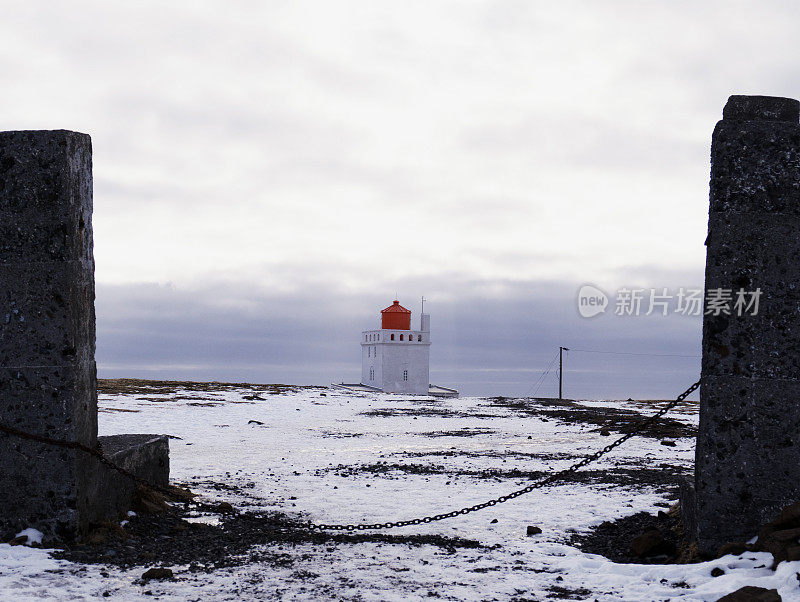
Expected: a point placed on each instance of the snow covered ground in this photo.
(317, 453)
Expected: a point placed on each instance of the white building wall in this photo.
(411, 358)
(370, 359)
(385, 359)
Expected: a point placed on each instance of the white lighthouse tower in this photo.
(394, 358)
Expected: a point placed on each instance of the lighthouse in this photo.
(394, 358)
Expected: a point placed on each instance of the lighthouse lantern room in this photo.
(394, 358)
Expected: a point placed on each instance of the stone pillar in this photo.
(47, 328)
(748, 444)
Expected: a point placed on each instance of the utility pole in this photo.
(561, 351)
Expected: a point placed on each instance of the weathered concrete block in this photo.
(146, 456)
(45, 196)
(48, 380)
(49, 306)
(748, 444)
(47, 369)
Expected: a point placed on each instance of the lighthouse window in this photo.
(401, 337)
(393, 337)
(405, 374)
(419, 338)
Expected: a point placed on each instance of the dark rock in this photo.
(751, 593)
(781, 543)
(224, 507)
(735, 548)
(778, 537)
(493, 521)
(158, 573)
(785, 535)
(776, 548)
(533, 530)
(605, 432)
(613, 539)
(668, 443)
(652, 543)
(789, 517)
(717, 572)
(793, 553)
(254, 422)
(147, 501)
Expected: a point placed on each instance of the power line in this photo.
(546, 372)
(631, 353)
(542, 377)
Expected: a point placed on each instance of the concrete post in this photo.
(748, 444)
(47, 327)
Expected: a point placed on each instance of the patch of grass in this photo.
(137, 386)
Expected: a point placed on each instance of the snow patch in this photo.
(34, 536)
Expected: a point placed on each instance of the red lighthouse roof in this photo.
(396, 317)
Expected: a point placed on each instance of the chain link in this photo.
(514, 494)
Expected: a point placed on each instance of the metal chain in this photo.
(514, 494)
(366, 526)
(95, 453)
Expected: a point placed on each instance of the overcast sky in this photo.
(269, 174)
